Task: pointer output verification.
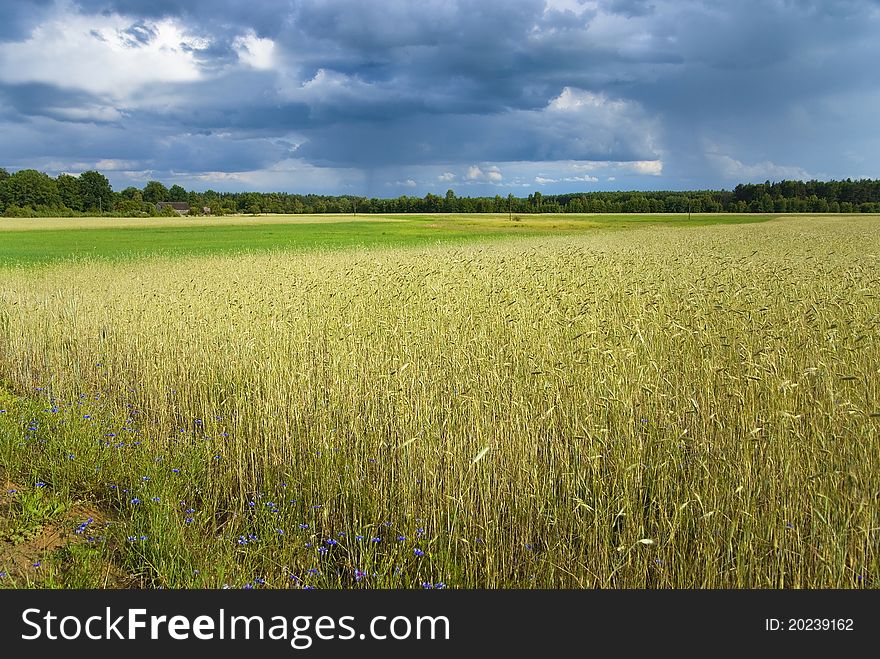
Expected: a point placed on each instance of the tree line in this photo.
(29, 192)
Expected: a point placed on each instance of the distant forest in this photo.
(29, 193)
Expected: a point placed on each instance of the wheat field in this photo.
(658, 407)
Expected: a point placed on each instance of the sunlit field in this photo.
(661, 407)
(46, 240)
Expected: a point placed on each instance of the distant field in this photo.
(658, 407)
(44, 240)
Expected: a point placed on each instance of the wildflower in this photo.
(279, 531)
(217, 458)
(37, 564)
(259, 580)
(309, 588)
(375, 539)
(322, 550)
(4, 574)
(401, 538)
(143, 538)
(155, 499)
(427, 585)
(188, 520)
(418, 552)
(175, 470)
(359, 575)
(135, 501)
(248, 586)
(303, 526)
(359, 537)
(439, 585)
(39, 484)
(331, 542)
(145, 478)
(420, 533)
(189, 511)
(71, 456)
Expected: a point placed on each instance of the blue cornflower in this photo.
(3, 574)
(427, 585)
(359, 575)
(331, 541)
(313, 570)
(309, 588)
(439, 585)
(188, 520)
(375, 539)
(279, 531)
(135, 501)
(401, 538)
(322, 550)
(259, 580)
(420, 533)
(175, 470)
(248, 586)
(418, 552)
(303, 526)
(39, 484)
(359, 537)
(155, 499)
(189, 511)
(71, 456)
(37, 564)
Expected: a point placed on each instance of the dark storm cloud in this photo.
(716, 90)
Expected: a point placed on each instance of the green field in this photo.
(43, 240)
(573, 402)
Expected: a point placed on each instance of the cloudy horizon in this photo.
(389, 98)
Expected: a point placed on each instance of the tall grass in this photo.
(653, 408)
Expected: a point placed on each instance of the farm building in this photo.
(180, 207)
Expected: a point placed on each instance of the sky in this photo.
(485, 97)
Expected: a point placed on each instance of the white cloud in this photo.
(474, 173)
(734, 169)
(408, 183)
(256, 52)
(540, 180)
(491, 174)
(648, 167)
(97, 54)
(446, 177)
